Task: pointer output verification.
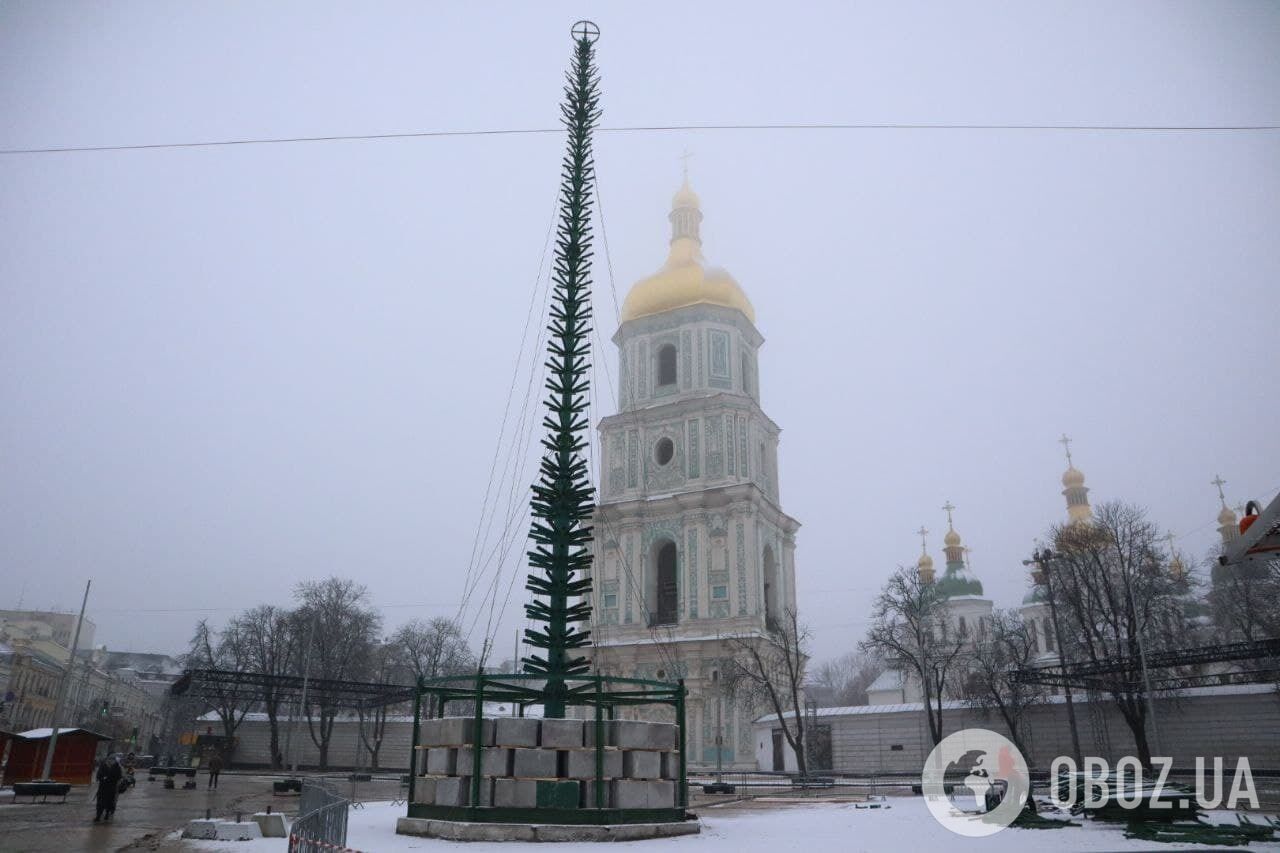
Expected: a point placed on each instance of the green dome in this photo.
(958, 582)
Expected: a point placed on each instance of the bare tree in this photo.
(767, 670)
(346, 629)
(271, 645)
(1245, 600)
(988, 681)
(432, 648)
(223, 651)
(1119, 600)
(910, 631)
(844, 681)
(386, 662)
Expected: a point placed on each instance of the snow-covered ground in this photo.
(904, 825)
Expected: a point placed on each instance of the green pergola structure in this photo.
(602, 694)
(561, 506)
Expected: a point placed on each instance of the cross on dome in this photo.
(1066, 444)
(1219, 482)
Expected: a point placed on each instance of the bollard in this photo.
(208, 814)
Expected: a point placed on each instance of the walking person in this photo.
(109, 775)
(215, 767)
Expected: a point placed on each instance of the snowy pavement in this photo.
(905, 825)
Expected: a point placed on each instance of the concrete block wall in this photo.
(525, 762)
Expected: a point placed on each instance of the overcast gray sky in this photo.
(228, 369)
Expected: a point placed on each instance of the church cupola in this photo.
(686, 214)
(686, 278)
(1228, 526)
(1074, 489)
(924, 566)
(957, 580)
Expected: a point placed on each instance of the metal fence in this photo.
(321, 826)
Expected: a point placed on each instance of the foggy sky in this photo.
(225, 370)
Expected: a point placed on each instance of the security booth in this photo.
(74, 759)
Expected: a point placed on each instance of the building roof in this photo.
(42, 734)
(1055, 699)
(890, 679)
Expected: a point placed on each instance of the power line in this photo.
(658, 128)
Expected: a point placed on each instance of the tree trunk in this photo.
(273, 723)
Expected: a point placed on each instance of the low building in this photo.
(1229, 721)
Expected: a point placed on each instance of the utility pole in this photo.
(1044, 559)
(62, 687)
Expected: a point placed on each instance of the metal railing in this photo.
(322, 820)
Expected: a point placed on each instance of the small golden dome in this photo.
(925, 562)
(1226, 515)
(685, 197)
(952, 539)
(1072, 477)
(685, 279)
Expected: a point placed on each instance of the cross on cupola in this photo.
(1219, 482)
(1066, 444)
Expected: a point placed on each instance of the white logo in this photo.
(975, 782)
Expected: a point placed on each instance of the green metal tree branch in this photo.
(562, 496)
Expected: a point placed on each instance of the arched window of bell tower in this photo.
(662, 594)
(772, 610)
(666, 365)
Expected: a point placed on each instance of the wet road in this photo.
(146, 814)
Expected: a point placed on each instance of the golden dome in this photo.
(1226, 515)
(685, 279)
(1072, 477)
(925, 562)
(685, 197)
(952, 539)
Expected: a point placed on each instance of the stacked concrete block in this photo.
(609, 727)
(442, 761)
(494, 761)
(634, 734)
(424, 790)
(534, 763)
(641, 764)
(561, 734)
(516, 731)
(670, 765)
(643, 794)
(589, 795)
(454, 731)
(582, 764)
(456, 791)
(515, 793)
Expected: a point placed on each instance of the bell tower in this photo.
(692, 544)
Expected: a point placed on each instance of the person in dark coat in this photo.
(109, 775)
(215, 767)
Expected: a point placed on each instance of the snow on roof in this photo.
(890, 679)
(41, 734)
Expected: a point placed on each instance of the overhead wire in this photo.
(656, 128)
